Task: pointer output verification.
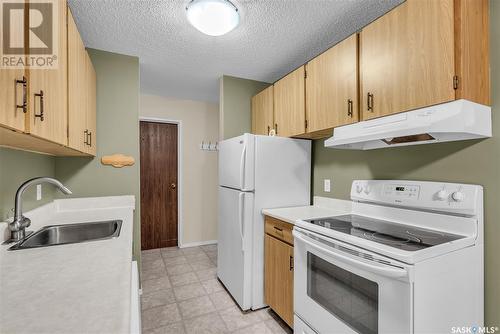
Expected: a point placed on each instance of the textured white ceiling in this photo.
(176, 60)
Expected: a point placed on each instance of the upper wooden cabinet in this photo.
(421, 53)
(289, 104)
(472, 50)
(48, 91)
(51, 110)
(81, 93)
(13, 99)
(424, 52)
(263, 112)
(332, 88)
(77, 99)
(13, 95)
(91, 119)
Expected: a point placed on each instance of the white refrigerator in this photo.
(255, 172)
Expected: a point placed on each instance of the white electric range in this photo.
(407, 259)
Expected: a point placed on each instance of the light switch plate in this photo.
(326, 185)
(38, 192)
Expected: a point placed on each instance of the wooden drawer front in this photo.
(279, 229)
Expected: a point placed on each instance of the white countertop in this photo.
(76, 288)
(322, 207)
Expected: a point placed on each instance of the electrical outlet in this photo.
(326, 185)
(38, 192)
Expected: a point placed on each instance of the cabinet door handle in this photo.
(276, 128)
(349, 108)
(86, 135)
(90, 139)
(23, 106)
(268, 130)
(40, 115)
(369, 102)
(291, 263)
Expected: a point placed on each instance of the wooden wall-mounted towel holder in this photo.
(118, 160)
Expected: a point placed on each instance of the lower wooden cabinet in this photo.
(278, 272)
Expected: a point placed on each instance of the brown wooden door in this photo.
(407, 58)
(278, 281)
(158, 185)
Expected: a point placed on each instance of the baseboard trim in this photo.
(198, 243)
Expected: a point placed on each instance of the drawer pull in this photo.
(349, 108)
(369, 102)
(40, 115)
(280, 230)
(23, 106)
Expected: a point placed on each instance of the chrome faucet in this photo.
(20, 222)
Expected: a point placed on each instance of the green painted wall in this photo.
(17, 167)
(476, 162)
(117, 132)
(235, 114)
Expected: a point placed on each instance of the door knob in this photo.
(173, 186)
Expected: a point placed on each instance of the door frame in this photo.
(179, 169)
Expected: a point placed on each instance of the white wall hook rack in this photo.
(212, 147)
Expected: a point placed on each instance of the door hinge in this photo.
(456, 81)
(306, 123)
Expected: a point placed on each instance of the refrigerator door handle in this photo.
(242, 219)
(242, 167)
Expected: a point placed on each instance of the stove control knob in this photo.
(359, 188)
(367, 190)
(442, 195)
(458, 196)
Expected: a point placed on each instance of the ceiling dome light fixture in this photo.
(213, 17)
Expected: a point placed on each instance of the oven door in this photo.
(340, 288)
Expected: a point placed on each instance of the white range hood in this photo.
(451, 121)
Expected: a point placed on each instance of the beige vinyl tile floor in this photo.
(181, 294)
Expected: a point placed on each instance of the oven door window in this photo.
(349, 297)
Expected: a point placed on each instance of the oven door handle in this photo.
(379, 269)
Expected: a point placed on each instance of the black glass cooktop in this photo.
(409, 238)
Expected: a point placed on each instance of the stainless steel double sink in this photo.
(70, 234)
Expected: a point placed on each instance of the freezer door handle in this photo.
(242, 219)
(242, 167)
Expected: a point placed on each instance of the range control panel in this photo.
(436, 196)
(401, 191)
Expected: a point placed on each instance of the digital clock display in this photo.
(400, 188)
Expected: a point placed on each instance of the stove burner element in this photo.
(389, 239)
(405, 237)
(425, 234)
